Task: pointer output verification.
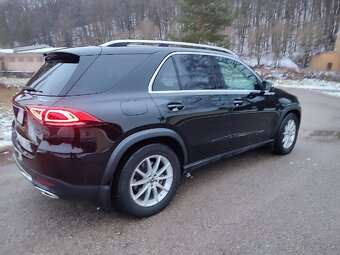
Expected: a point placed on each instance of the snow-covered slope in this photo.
(268, 61)
(5, 125)
(326, 87)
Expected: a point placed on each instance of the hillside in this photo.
(280, 28)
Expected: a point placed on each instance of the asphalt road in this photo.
(254, 203)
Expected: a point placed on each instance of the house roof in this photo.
(6, 51)
(30, 49)
(43, 50)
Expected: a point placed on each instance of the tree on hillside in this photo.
(204, 21)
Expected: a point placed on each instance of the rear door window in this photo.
(106, 72)
(195, 71)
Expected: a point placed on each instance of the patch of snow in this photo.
(283, 73)
(309, 83)
(13, 82)
(6, 51)
(332, 93)
(268, 61)
(326, 87)
(287, 62)
(4, 144)
(5, 126)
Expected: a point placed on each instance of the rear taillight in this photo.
(60, 116)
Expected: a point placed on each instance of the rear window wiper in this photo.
(28, 89)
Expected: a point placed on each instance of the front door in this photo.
(253, 115)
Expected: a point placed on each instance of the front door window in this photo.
(236, 75)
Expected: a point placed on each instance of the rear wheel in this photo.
(148, 181)
(287, 135)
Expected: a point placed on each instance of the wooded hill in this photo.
(292, 28)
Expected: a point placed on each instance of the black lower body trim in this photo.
(100, 194)
(197, 164)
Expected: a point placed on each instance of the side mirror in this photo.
(267, 85)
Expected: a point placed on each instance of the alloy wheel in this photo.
(151, 180)
(289, 134)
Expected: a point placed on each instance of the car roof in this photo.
(136, 49)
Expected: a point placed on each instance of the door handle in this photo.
(238, 101)
(175, 106)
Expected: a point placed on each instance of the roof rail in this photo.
(119, 43)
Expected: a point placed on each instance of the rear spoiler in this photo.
(61, 57)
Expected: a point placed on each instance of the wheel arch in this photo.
(297, 112)
(131, 143)
(290, 109)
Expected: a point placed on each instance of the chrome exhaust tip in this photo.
(47, 193)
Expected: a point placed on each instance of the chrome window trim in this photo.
(225, 91)
(206, 91)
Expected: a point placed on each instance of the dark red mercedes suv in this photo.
(125, 120)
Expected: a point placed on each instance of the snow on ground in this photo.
(326, 87)
(268, 61)
(6, 116)
(13, 82)
(7, 51)
(332, 93)
(5, 125)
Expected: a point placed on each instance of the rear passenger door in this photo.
(186, 89)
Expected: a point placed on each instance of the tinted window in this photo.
(195, 71)
(236, 75)
(166, 78)
(52, 77)
(106, 72)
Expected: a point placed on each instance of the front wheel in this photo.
(148, 180)
(287, 135)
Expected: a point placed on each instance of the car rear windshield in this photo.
(106, 72)
(53, 75)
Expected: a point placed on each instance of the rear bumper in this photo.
(54, 188)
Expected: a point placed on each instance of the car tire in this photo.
(287, 135)
(147, 181)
